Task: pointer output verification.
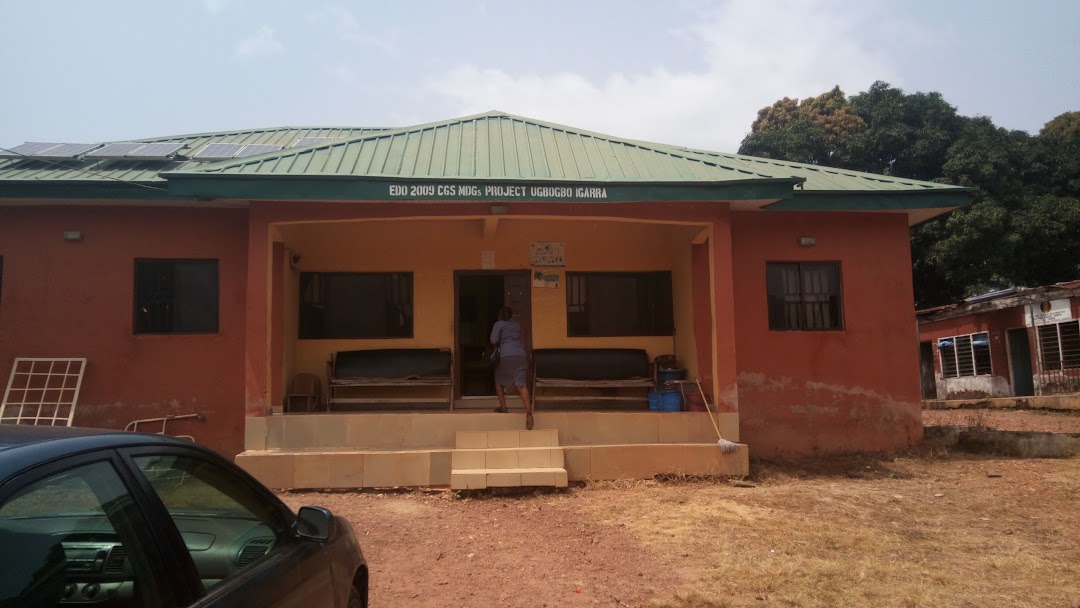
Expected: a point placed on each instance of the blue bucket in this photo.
(670, 401)
(656, 404)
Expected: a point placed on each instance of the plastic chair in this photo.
(307, 387)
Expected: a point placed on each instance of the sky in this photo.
(682, 72)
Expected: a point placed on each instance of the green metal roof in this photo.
(485, 149)
(90, 169)
(485, 146)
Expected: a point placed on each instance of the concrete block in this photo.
(578, 462)
(561, 479)
(330, 432)
(538, 478)
(440, 467)
(381, 470)
(347, 470)
(533, 458)
(255, 433)
(556, 458)
(501, 459)
(299, 431)
(472, 480)
(501, 479)
(414, 468)
(468, 459)
(275, 432)
(503, 439)
(471, 440)
(538, 438)
(312, 470)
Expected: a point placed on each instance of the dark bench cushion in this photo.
(591, 363)
(392, 363)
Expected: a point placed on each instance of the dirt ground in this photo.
(925, 528)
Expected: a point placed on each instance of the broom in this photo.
(727, 447)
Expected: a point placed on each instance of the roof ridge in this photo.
(669, 150)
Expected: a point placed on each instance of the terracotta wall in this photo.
(75, 299)
(828, 391)
(995, 323)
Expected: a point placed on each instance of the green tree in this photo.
(1023, 226)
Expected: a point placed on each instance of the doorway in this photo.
(1020, 361)
(926, 370)
(478, 296)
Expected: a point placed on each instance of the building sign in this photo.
(547, 254)
(1048, 313)
(496, 191)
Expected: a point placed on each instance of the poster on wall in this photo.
(545, 280)
(549, 253)
(1048, 313)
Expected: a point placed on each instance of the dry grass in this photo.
(904, 532)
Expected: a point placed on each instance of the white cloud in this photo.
(349, 28)
(752, 55)
(262, 42)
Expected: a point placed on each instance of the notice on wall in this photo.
(549, 253)
(1047, 313)
(545, 280)
(487, 260)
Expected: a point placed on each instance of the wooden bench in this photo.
(389, 367)
(591, 368)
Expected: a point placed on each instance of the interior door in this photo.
(517, 294)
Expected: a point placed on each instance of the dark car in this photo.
(107, 518)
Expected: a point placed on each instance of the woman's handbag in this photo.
(491, 355)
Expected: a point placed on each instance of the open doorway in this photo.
(479, 295)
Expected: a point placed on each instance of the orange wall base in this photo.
(828, 391)
(75, 299)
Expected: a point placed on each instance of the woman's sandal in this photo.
(501, 410)
(528, 421)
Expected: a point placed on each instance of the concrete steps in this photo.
(505, 459)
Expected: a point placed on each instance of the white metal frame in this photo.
(42, 391)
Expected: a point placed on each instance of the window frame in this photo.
(971, 346)
(667, 327)
(216, 297)
(841, 321)
(302, 332)
(1065, 360)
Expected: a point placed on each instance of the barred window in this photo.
(804, 295)
(176, 296)
(356, 305)
(619, 304)
(967, 355)
(1059, 345)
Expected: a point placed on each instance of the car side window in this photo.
(76, 537)
(226, 525)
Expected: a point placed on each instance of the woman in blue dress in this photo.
(513, 369)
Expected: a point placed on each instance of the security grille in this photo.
(42, 391)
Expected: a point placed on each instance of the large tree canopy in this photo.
(1023, 226)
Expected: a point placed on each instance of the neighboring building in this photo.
(1010, 343)
(198, 279)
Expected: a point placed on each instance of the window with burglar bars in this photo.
(176, 296)
(1059, 345)
(804, 296)
(619, 304)
(356, 305)
(963, 356)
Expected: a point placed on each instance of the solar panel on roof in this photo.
(115, 150)
(253, 149)
(160, 151)
(311, 141)
(28, 148)
(218, 151)
(66, 150)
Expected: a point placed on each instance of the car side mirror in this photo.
(314, 523)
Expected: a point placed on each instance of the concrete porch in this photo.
(392, 449)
